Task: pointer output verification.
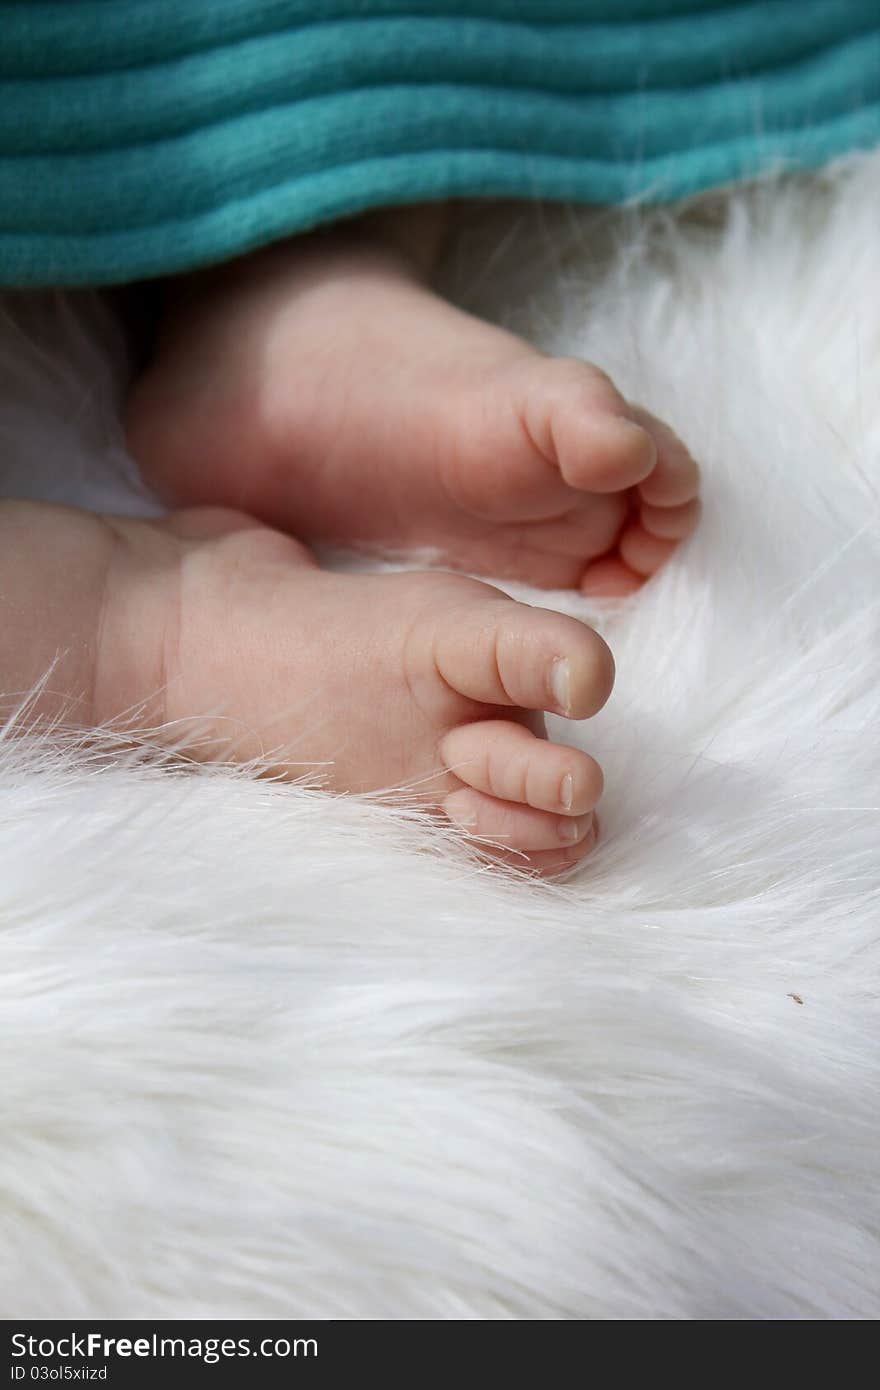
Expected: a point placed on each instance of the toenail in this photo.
(465, 820)
(640, 439)
(566, 791)
(570, 831)
(560, 684)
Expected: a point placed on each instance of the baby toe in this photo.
(514, 826)
(546, 863)
(671, 523)
(610, 578)
(643, 553)
(676, 477)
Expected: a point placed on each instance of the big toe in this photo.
(499, 652)
(578, 421)
(600, 443)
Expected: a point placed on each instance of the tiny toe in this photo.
(508, 762)
(609, 578)
(514, 826)
(511, 654)
(547, 863)
(550, 863)
(676, 477)
(642, 552)
(671, 523)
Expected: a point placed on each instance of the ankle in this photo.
(402, 243)
(419, 232)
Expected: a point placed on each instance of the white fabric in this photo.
(268, 1053)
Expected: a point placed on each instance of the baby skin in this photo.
(318, 391)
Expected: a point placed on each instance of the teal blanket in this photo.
(141, 137)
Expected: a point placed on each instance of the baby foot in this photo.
(432, 682)
(321, 387)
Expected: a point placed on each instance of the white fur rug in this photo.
(268, 1053)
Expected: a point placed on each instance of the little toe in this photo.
(546, 863)
(610, 578)
(642, 552)
(508, 762)
(514, 826)
(676, 477)
(500, 652)
(671, 523)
